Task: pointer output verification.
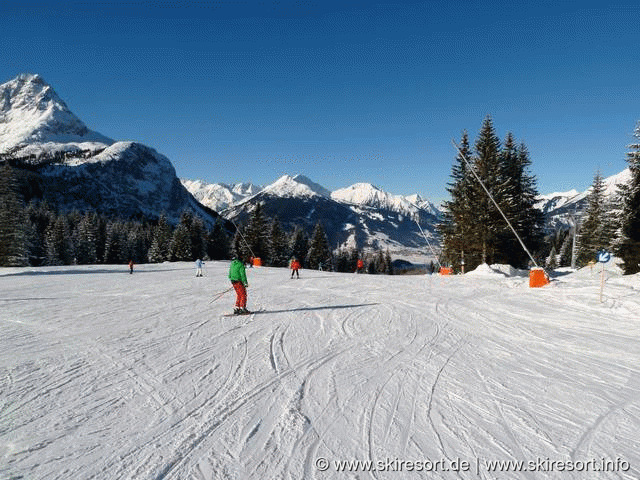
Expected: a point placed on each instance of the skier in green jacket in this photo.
(238, 277)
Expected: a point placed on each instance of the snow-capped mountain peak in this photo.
(296, 186)
(561, 206)
(245, 189)
(34, 120)
(219, 196)
(368, 195)
(364, 194)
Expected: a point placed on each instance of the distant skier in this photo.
(130, 266)
(359, 266)
(320, 266)
(238, 277)
(199, 268)
(295, 266)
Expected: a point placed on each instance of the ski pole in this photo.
(219, 295)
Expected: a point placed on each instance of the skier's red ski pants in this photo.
(241, 294)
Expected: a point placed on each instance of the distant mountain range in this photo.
(558, 208)
(361, 215)
(77, 168)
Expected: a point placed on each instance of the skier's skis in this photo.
(242, 314)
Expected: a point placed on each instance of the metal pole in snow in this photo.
(243, 239)
(429, 244)
(425, 237)
(601, 282)
(219, 295)
(574, 229)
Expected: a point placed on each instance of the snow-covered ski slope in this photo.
(107, 375)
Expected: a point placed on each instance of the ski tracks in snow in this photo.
(339, 366)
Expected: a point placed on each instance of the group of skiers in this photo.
(238, 278)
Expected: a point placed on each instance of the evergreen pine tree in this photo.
(39, 218)
(160, 249)
(136, 242)
(517, 193)
(181, 244)
(388, 264)
(488, 224)
(299, 245)
(566, 250)
(530, 220)
(278, 247)
(13, 232)
(552, 260)
(342, 261)
(238, 246)
(218, 247)
(628, 247)
(256, 234)
(154, 255)
(593, 231)
(380, 262)
(319, 253)
(101, 241)
(198, 239)
(114, 244)
(459, 214)
(474, 230)
(370, 265)
(58, 242)
(614, 209)
(507, 190)
(86, 238)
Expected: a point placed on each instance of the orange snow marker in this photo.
(537, 278)
(257, 262)
(446, 271)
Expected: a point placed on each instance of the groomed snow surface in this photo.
(108, 375)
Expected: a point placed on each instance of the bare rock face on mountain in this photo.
(77, 168)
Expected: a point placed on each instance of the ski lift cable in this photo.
(435, 255)
(428, 243)
(466, 161)
(243, 239)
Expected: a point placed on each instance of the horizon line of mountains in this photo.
(73, 167)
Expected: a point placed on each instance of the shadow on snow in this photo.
(327, 307)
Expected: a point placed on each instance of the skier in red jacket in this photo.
(295, 266)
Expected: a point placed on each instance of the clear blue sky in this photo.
(342, 92)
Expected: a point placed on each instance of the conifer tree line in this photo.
(613, 224)
(35, 234)
(265, 238)
(474, 232)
